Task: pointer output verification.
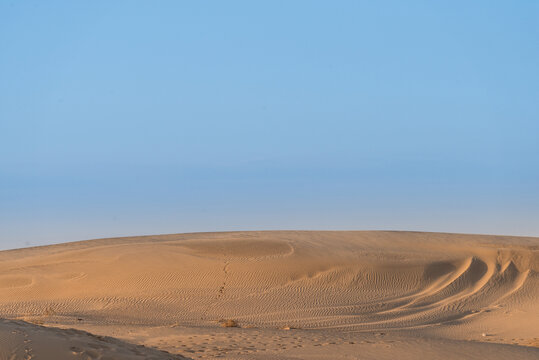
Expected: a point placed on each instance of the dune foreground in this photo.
(273, 295)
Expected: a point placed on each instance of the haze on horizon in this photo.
(128, 118)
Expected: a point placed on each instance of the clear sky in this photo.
(146, 117)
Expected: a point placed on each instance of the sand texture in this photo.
(273, 295)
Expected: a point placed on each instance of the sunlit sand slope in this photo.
(481, 288)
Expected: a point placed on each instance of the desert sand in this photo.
(273, 295)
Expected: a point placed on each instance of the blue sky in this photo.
(125, 118)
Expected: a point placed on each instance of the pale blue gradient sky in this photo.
(125, 118)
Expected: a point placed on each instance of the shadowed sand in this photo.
(293, 295)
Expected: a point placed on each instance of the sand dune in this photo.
(293, 294)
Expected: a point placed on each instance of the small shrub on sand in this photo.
(288, 327)
(228, 323)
